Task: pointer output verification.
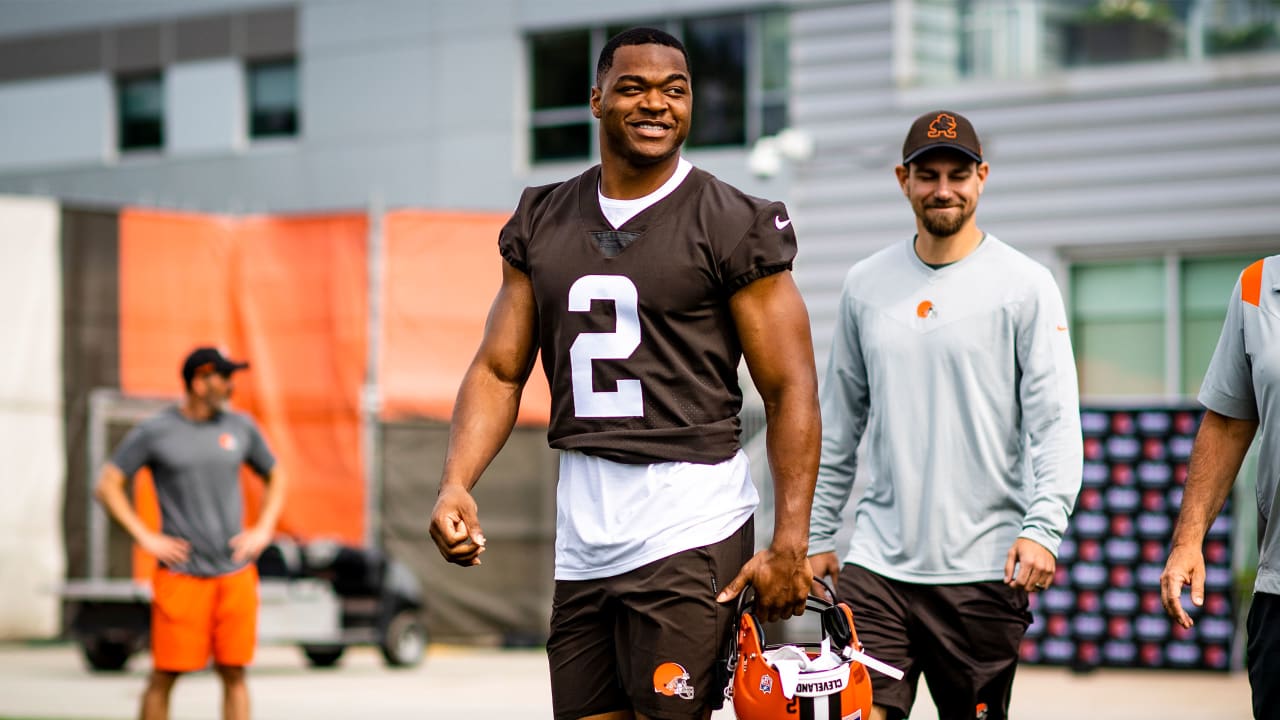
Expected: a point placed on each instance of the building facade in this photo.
(1132, 142)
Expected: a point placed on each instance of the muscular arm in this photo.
(1220, 447)
(484, 414)
(773, 325)
(110, 492)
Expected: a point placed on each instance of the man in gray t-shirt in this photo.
(194, 451)
(1241, 396)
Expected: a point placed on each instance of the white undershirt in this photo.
(618, 212)
(612, 517)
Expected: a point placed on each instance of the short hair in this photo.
(635, 36)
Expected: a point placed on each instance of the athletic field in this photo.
(49, 682)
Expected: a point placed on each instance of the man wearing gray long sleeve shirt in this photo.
(952, 356)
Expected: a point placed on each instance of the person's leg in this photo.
(235, 692)
(581, 655)
(880, 616)
(672, 635)
(235, 636)
(181, 621)
(974, 633)
(1263, 655)
(155, 699)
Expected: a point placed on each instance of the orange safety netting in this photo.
(442, 273)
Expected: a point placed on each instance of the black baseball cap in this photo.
(210, 359)
(941, 129)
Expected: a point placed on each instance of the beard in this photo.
(944, 224)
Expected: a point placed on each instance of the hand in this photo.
(167, 549)
(824, 565)
(248, 545)
(1033, 563)
(1185, 567)
(782, 580)
(455, 526)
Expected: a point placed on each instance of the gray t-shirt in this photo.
(196, 470)
(1243, 382)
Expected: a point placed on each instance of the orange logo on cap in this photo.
(925, 309)
(226, 441)
(943, 126)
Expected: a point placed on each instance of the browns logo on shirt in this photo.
(640, 349)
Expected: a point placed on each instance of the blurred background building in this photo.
(1133, 144)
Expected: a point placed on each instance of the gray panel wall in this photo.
(58, 122)
(1137, 159)
(416, 103)
(204, 107)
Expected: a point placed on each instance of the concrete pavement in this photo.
(50, 682)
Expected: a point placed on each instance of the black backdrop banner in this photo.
(1104, 607)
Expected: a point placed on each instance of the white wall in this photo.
(31, 431)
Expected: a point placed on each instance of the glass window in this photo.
(1022, 38)
(140, 102)
(273, 99)
(1206, 289)
(775, 72)
(1118, 327)
(718, 58)
(562, 73)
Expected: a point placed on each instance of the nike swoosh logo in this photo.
(1062, 328)
(779, 223)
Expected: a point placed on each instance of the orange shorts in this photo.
(195, 617)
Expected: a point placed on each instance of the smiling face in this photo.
(643, 104)
(943, 188)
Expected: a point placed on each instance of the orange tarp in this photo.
(289, 296)
(442, 273)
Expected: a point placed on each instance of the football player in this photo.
(643, 282)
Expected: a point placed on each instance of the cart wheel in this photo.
(405, 640)
(323, 656)
(106, 655)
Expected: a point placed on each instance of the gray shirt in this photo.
(196, 470)
(963, 381)
(1243, 382)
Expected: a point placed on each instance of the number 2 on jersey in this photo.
(627, 400)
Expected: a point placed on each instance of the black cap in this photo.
(941, 129)
(209, 359)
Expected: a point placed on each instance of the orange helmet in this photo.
(842, 692)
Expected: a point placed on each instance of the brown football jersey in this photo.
(640, 349)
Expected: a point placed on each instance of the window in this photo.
(273, 99)
(562, 78)
(1025, 38)
(740, 72)
(140, 103)
(1148, 327)
(1206, 290)
(1119, 327)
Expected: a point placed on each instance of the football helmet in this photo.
(775, 681)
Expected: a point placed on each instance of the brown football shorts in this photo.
(963, 638)
(648, 639)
